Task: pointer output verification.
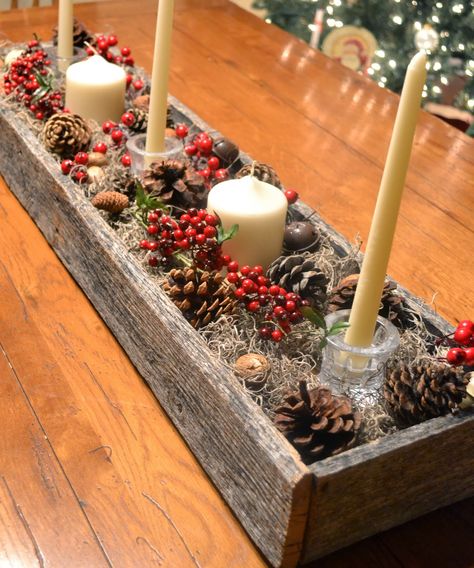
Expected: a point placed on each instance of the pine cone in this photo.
(342, 296)
(80, 34)
(263, 172)
(66, 134)
(141, 119)
(124, 182)
(111, 201)
(318, 423)
(175, 182)
(422, 392)
(299, 274)
(142, 103)
(202, 297)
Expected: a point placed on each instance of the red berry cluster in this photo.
(198, 148)
(278, 308)
(26, 78)
(107, 47)
(463, 353)
(195, 232)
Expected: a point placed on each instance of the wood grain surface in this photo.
(87, 439)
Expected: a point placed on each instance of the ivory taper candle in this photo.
(95, 89)
(259, 209)
(65, 27)
(155, 139)
(379, 243)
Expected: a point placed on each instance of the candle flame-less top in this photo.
(374, 267)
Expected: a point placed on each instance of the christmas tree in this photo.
(445, 28)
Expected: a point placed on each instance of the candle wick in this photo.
(86, 43)
(252, 168)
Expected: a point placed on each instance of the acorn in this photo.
(95, 174)
(97, 159)
(301, 236)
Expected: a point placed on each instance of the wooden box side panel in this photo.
(380, 485)
(255, 469)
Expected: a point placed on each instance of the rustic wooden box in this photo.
(291, 511)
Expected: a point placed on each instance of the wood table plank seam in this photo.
(56, 457)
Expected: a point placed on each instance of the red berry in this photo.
(274, 290)
(205, 144)
(205, 173)
(100, 147)
(248, 285)
(129, 80)
(125, 51)
(245, 270)
(466, 323)
(239, 293)
(469, 356)
(81, 158)
(226, 259)
(455, 356)
(233, 278)
(277, 335)
(126, 160)
(213, 163)
(138, 84)
(108, 126)
(80, 176)
(233, 266)
(144, 244)
(258, 270)
(200, 239)
(184, 244)
(129, 61)
(153, 217)
(265, 332)
(181, 130)
(39, 115)
(112, 40)
(290, 306)
(221, 174)
(153, 261)
(463, 336)
(117, 135)
(66, 166)
(210, 231)
(253, 306)
(190, 149)
(127, 118)
(279, 311)
(178, 234)
(262, 290)
(102, 45)
(152, 229)
(90, 51)
(291, 196)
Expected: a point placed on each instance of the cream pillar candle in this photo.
(155, 139)
(95, 89)
(65, 27)
(371, 281)
(259, 209)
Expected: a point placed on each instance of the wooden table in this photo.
(92, 473)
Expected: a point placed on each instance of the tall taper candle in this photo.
(374, 267)
(155, 139)
(65, 27)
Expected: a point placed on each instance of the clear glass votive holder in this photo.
(142, 159)
(60, 64)
(357, 371)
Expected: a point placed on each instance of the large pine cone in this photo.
(175, 182)
(66, 134)
(392, 308)
(421, 392)
(263, 172)
(318, 423)
(202, 297)
(80, 34)
(299, 274)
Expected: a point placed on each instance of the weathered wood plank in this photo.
(380, 485)
(236, 444)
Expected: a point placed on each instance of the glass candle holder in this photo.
(60, 64)
(141, 159)
(357, 370)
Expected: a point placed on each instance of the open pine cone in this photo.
(392, 308)
(66, 134)
(175, 182)
(263, 172)
(202, 297)
(299, 274)
(318, 423)
(422, 392)
(80, 34)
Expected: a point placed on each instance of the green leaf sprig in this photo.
(145, 203)
(318, 320)
(223, 235)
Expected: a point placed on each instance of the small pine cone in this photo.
(392, 307)
(124, 182)
(141, 119)
(422, 392)
(263, 172)
(80, 34)
(175, 182)
(318, 423)
(202, 297)
(142, 103)
(298, 273)
(111, 201)
(66, 134)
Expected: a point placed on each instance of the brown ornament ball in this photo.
(226, 150)
(300, 236)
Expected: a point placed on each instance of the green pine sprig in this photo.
(316, 318)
